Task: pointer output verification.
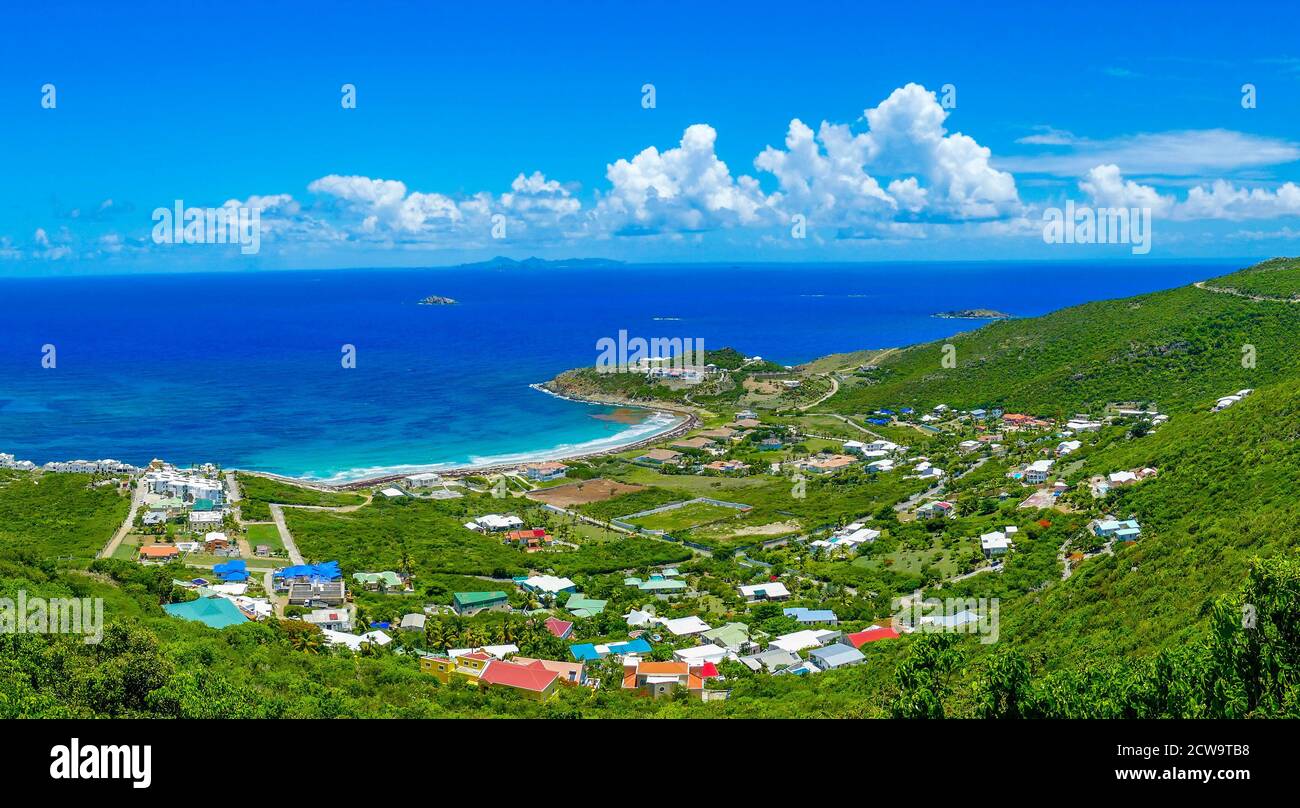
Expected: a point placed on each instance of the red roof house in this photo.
(861, 638)
(536, 681)
(560, 628)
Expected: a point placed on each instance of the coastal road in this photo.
(137, 499)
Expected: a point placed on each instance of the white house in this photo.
(426, 479)
(797, 641)
(1067, 446)
(331, 619)
(684, 626)
(701, 654)
(1037, 471)
(495, 523)
(774, 590)
(994, 544)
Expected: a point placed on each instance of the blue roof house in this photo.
(811, 616)
(836, 655)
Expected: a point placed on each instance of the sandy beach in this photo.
(689, 421)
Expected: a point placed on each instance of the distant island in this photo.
(973, 314)
(436, 300)
(501, 262)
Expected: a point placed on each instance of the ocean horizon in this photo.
(244, 369)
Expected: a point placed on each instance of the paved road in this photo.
(137, 499)
(277, 515)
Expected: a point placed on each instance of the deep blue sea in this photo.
(244, 369)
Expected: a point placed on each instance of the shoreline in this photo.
(689, 420)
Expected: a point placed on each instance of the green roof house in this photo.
(214, 612)
(387, 578)
(471, 603)
(582, 606)
(732, 636)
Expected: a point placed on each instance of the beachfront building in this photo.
(544, 472)
(426, 479)
(188, 487)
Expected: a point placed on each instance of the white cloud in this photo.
(1177, 153)
(1222, 200)
(933, 175)
(1107, 188)
(686, 188)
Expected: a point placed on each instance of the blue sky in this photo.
(531, 117)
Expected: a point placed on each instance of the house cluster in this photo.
(849, 536)
(108, 466)
(501, 666)
(89, 467)
(1101, 486)
(1228, 401)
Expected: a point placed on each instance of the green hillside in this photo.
(1181, 348)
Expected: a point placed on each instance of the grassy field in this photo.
(685, 517)
(55, 515)
(432, 535)
(265, 534)
(258, 491)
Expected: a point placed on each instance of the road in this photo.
(137, 499)
(277, 515)
(835, 388)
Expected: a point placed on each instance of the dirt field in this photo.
(582, 492)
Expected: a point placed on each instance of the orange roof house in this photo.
(158, 552)
(661, 678)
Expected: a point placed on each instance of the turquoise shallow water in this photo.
(244, 369)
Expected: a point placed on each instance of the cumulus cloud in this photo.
(931, 173)
(1221, 199)
(1107, 188)
(685, 188)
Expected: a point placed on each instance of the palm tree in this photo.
(473, 637)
